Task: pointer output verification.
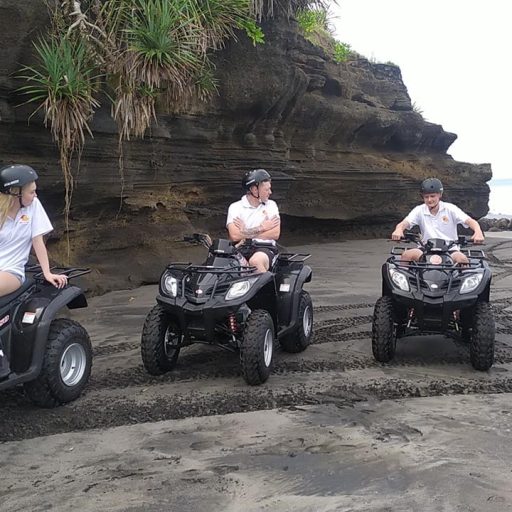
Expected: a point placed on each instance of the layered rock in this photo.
(343, 142)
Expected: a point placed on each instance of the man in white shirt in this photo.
(436, 219)
(256, 217)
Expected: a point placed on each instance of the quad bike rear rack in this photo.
(70, 272)
(295, 257)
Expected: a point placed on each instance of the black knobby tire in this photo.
(66, 366)
(159, 355)
(481, 348)
(257, 347)
(300, 338)
(383, 330)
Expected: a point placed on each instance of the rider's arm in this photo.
(233, 223)
(39, 247)
(269, 229)
(398, 233)
(478, 236)
(271, 234)
(235, 235)
(271, 226)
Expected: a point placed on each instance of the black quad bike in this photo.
(50, 356)
(226, 303)
(435, 296)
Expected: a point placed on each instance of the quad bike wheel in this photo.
(301, 337)
(66, 366)
(257, 347)
(383, 330)
(481, 348)
(160, 342)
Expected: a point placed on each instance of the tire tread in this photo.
(481, 348)
(254, 370)
(383, 334)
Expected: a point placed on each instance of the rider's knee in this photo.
(459, 257)
(411, 255)
(260, 261)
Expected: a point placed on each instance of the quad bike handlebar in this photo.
(410, 237)
(203, 239)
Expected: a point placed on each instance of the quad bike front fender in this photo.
(288, 302)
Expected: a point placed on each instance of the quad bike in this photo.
(225, 302)
(51, 357)
(435, 296)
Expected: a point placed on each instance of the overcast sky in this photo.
(454, 56)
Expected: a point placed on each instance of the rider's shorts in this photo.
(271, 252)
(16, 274)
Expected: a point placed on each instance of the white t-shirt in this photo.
(252, 216)
(442, 225)
(16, 236)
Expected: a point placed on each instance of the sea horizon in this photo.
(500, 199)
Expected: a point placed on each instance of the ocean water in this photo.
(500, 201)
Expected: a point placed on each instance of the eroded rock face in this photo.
(342, 141)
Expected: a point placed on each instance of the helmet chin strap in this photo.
(256, 196)
(19, 199)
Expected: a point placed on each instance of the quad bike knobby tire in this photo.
(66, 366)
(257, 347)
(481, 348)
(383, 330)
(301, 337)
(160, 342)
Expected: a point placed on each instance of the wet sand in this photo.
(331, 429)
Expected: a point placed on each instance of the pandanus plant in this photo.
(64, 83)
(136, 51)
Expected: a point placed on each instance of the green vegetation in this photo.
(314, 22)
(416, 108)
(341, 51)
(64, 84)
(134, 53)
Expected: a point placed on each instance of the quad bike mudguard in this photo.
(289, 282)
(30, 328)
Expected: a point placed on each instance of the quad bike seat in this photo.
(7, 299)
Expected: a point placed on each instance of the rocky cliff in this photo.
(343, 142)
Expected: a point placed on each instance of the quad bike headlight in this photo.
(169, 285)
(239, 289)
(399, 279)
(471, 282)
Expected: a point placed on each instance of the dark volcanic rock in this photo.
(498, 224)
(345, 147)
